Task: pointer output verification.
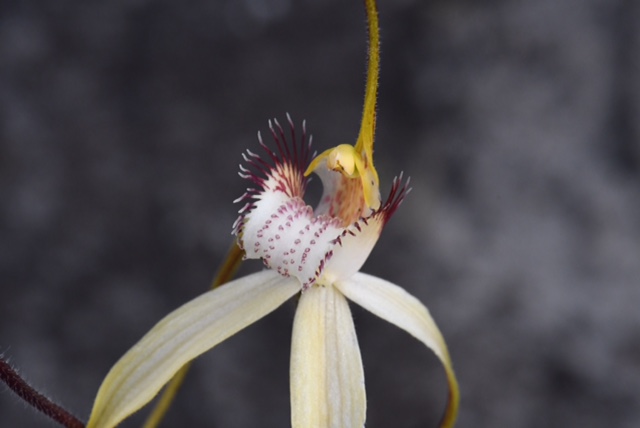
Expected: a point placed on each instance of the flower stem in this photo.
(368, 125)
(35, 399)
(225, 273)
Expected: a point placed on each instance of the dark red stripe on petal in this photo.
(398, 192)
(279, 170)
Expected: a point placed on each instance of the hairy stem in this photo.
(35, 399)
(368, 125)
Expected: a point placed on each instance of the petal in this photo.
(278, 176)
(290, 240)
(394, 304)
(327, 379)
(356, 242)
(181, 336)
(352, 248)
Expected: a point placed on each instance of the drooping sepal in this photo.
(181, 336)
(395, 305)
(327, 377)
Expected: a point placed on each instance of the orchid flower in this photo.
(315, 254)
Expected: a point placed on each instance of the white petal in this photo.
(394, 304)
(353, 247)
(183, 335)
(355, 243)
(266, 203)
(327, 379)
(289, 239)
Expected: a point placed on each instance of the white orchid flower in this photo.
(316, 254)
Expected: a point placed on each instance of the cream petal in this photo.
(352, 248)
(355, 243)
(181, 336)
(327, 379)
(394, 304)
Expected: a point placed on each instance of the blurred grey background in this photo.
(122, 125)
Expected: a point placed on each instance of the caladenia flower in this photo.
(314, 253)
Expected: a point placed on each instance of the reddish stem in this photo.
(25, 391)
